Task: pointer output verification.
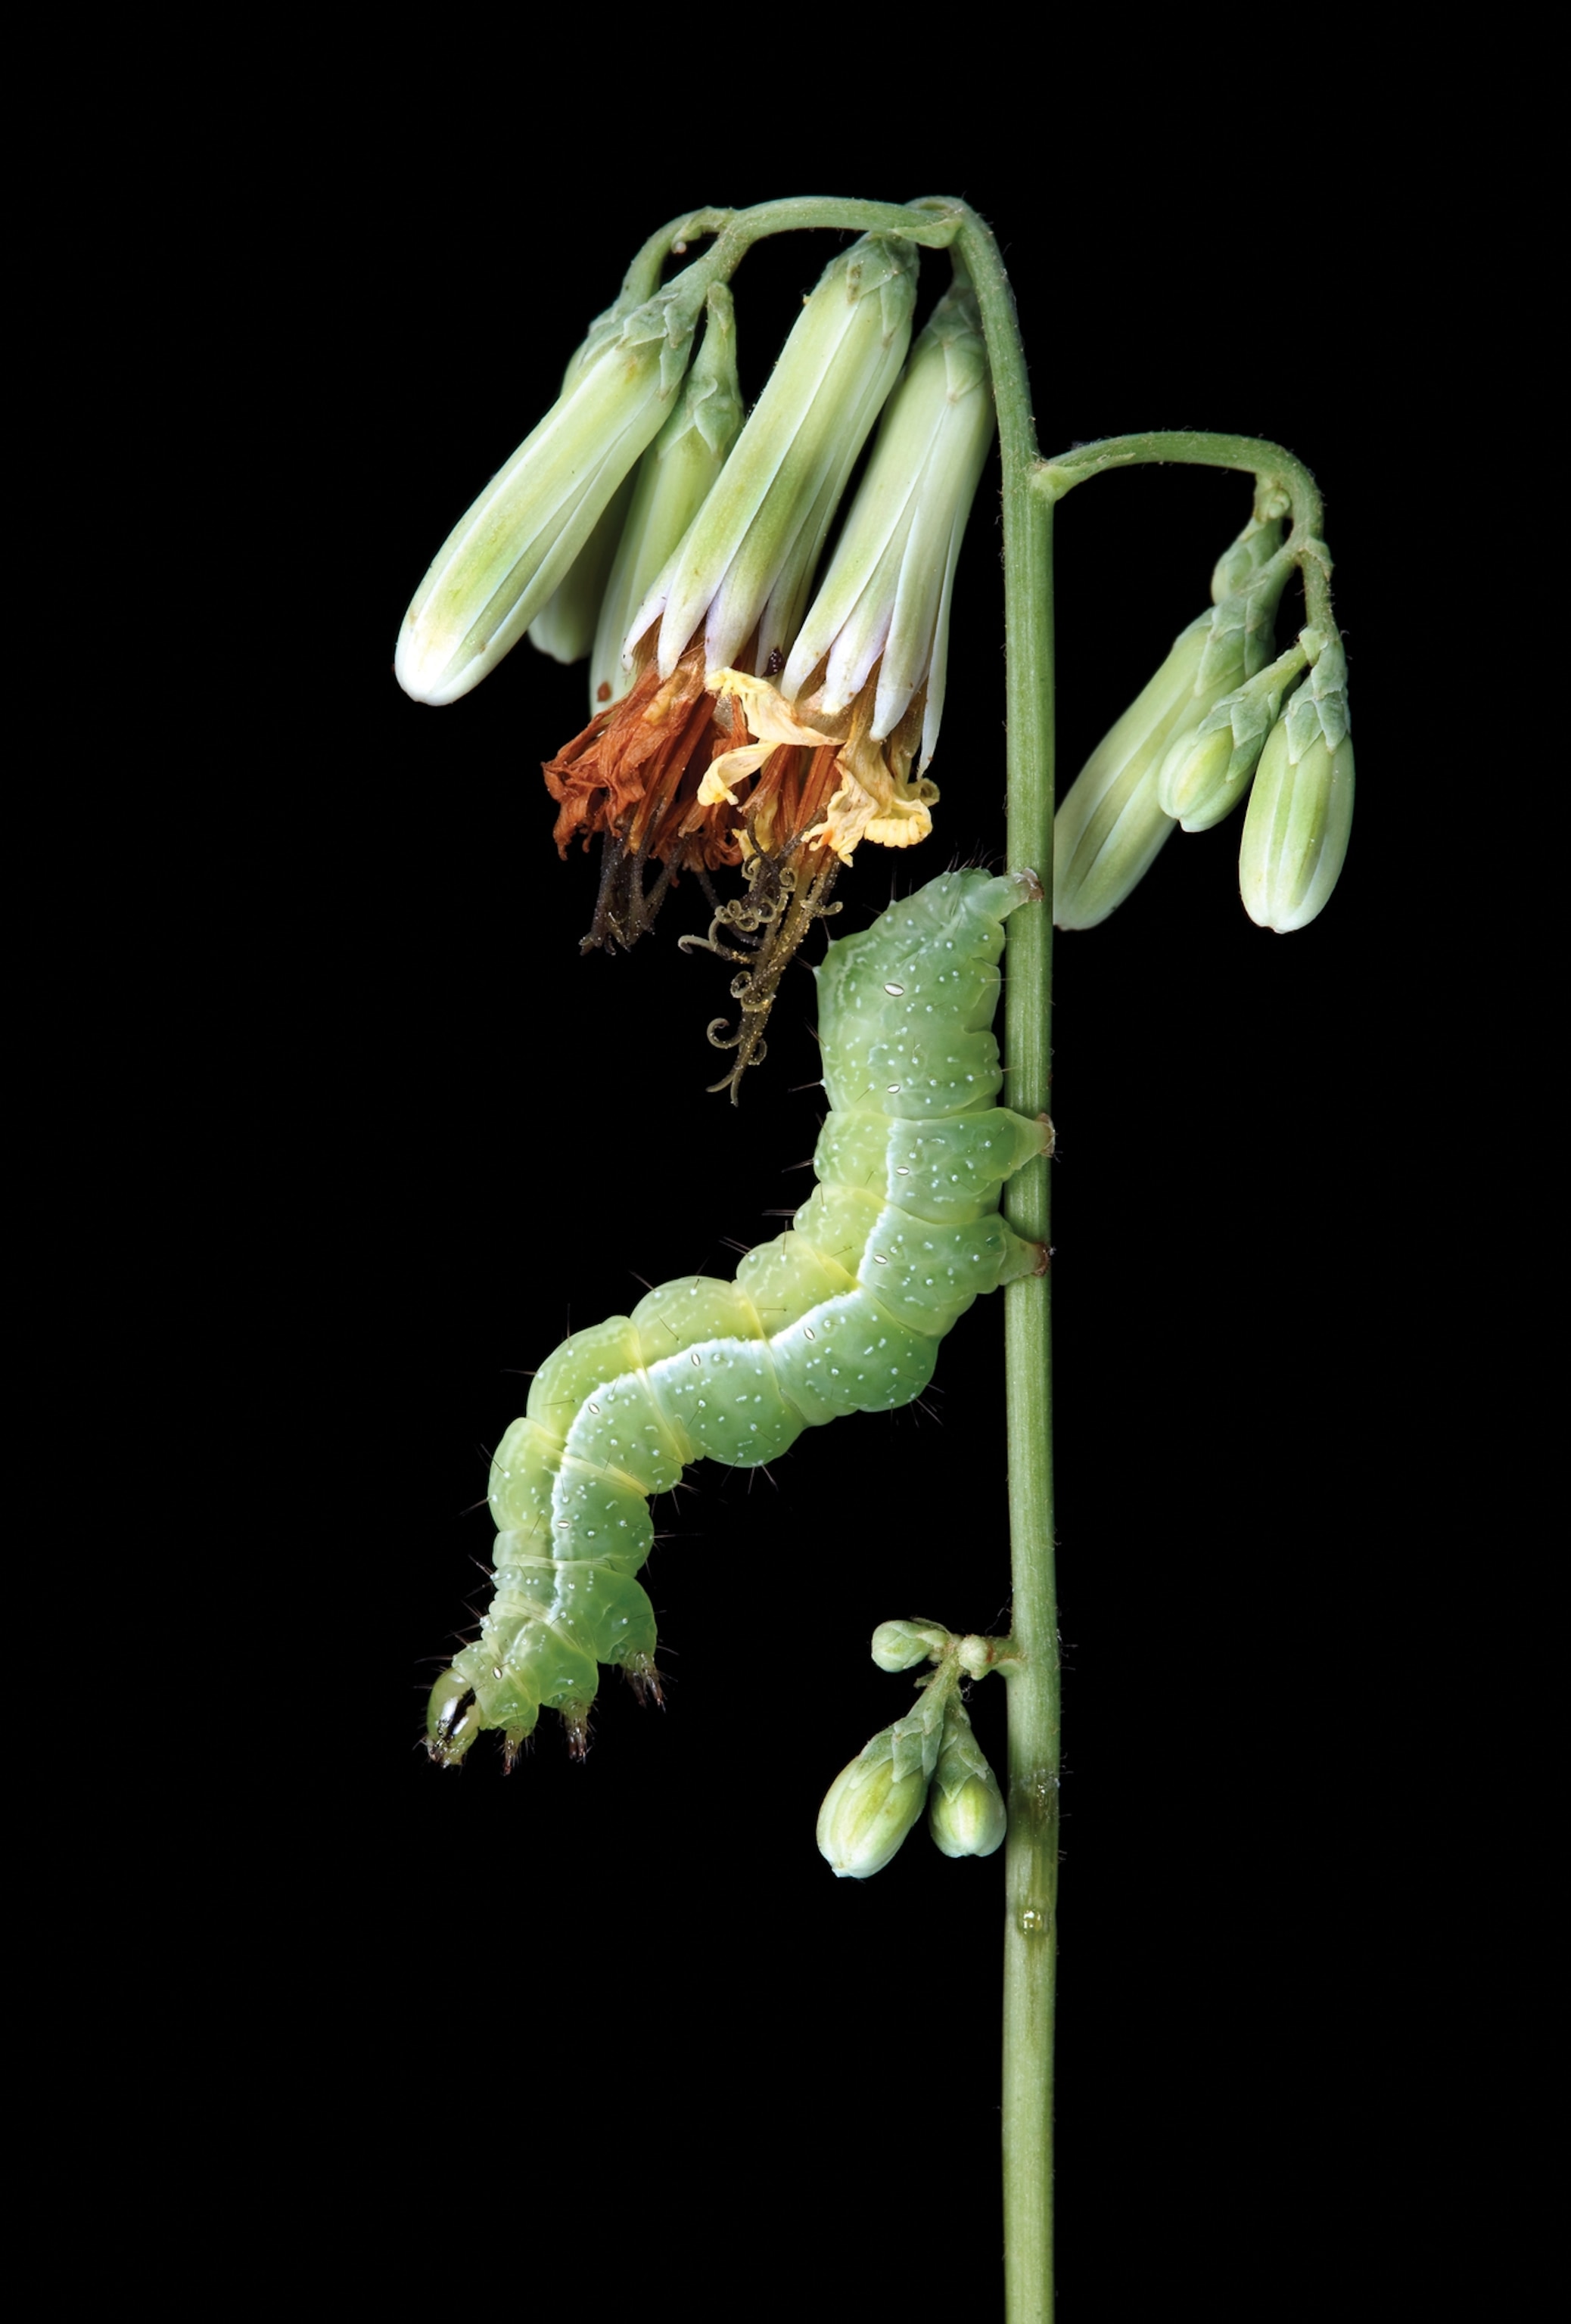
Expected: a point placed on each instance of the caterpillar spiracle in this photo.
(844, 1312)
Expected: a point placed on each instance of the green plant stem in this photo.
(1031, 1869)
(1283, 486)
(933, 224)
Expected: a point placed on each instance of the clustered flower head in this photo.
(929, 1759)
(1209, 725)
(744, 712)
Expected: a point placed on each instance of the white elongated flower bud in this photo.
(673, 480)
(749, 556)
(1207, 769)
(504, 559)
(1300, 809)
(885, 598)
(869, 1809)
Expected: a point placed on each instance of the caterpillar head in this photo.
(456, 1715)
(453, 1718)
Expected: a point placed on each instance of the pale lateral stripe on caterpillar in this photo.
(843, 1312)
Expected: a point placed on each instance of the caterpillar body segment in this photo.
(843, 1312)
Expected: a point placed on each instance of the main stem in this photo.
(1031, 1869)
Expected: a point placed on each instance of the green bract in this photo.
(505, 560)
(748, 559)
(1242, 559)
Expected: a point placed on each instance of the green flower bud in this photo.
(747, 560)
(674, 478)
(1208, 768)
(652, 508)
(901, 1646)
(869, 1809)
(1111, 823)
(1301, 810)
(884, 600)
(967, 1815)
(505, 558)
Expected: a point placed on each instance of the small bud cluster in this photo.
(930, 1758)
(1224, 719)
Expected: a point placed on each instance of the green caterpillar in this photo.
(842, 1314)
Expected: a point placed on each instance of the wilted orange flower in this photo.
(696, 773)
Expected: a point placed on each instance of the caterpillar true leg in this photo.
(842, 1314)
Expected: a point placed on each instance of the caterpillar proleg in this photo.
(842, 1314)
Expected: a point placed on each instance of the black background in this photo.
(637, 1974)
